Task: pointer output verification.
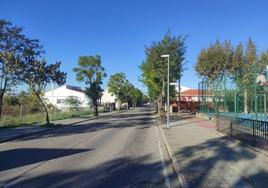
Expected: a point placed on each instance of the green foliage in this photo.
(14, 49)
(154, 68)
(91, 72)
(118, 85)
(37, 74)
(19, 62)
(72, 101)
(124, 91)
(136, 96)
(213, 62)
(38, 118)
(241, 63)
(10, 100)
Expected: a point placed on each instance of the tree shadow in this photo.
(132, 172)
(212, 164)
(117, 121)
(15, 158)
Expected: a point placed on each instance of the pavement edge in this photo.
(175, 163)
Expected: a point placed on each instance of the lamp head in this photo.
(166, 55)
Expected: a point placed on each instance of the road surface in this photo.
(121, 150)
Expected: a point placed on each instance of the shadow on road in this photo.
(122, 172)
(15, 158)
(140, 119)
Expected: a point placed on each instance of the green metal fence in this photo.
(235, 96)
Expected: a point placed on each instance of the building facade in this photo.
(57, 97)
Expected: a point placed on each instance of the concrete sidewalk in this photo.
(207, 158)
(10, 134)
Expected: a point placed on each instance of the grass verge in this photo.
(38, 119)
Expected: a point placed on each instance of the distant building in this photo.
(189, 95)
(183, 88)
(57, 97)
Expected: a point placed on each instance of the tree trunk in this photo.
(119, 106)
(45, 108)
(156, 106)
(3, 90)
(1, 104)
(95, 103)
(96, 112)
(245, 101)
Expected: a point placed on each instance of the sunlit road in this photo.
(121, 150)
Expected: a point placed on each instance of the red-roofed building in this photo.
(189, 95)
(189, 100)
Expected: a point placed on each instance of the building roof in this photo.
(190, 92)
(183, 88)
(194, 93)
(75, 88)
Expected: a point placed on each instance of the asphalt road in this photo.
(122, 150)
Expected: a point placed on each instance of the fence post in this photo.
(254, 134)
(231, 127)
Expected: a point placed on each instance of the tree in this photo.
(239, 62)
(154, 68)
(214, 61)
(136, 96)
(124, 91)
(37, 74)
(119, 86)
(91, 72)
(72, 101)
(14, 46)
(30, 101)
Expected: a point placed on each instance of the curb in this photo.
(175, 163)
(54, 128)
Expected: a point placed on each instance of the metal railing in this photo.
(249, 131)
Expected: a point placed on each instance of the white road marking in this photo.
(167, 182)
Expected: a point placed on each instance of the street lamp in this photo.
(168, 106)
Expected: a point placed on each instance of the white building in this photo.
(107, 97)
(58, 95)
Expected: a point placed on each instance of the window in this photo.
(60, 101)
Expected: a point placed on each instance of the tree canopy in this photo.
(37, 74)
(154, 68)
(237, 61)
(124, 91)
(91, 72)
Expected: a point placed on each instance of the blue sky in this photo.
(118, 30)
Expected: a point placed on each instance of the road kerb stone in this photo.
(175, 163)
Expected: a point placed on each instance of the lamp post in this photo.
(168, 106)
